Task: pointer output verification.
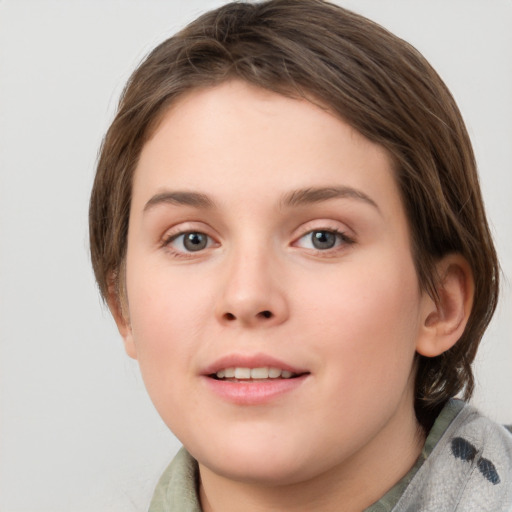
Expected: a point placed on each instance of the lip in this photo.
(252, 392)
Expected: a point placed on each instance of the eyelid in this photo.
(323, 225)
(185, 227)
(339, 234)
(173, 233)
(343, 234)
(170, 238)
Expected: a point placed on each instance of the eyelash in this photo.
(342, 240)
(168, 240)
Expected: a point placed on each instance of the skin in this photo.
(352, 316)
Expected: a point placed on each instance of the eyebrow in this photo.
(180, 198)
(315, 195)
(291, 199)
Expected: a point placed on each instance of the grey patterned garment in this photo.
(465, 466)
(468, 469)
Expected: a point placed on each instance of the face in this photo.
(272, 299)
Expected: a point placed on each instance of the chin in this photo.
(262, 464)
(265, 473)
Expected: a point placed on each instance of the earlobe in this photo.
(119, 310)
(444, 320)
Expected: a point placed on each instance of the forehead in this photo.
(237, 137)
(242, 112)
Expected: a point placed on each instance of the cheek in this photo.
(164, 333)
(165, 317)
(368, 321)
(162, 300)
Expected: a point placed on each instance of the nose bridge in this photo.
(252, 291)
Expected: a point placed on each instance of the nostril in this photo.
(230, 317)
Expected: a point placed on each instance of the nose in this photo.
(252, 292)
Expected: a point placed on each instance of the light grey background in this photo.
(78, 433)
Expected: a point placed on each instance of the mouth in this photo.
(246, 374)
(253, 379)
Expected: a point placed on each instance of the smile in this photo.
(262, 373)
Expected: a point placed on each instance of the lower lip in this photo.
(255, 392)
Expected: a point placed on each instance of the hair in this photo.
(377, 83)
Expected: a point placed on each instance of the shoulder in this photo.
(469, 468)
(484, 444)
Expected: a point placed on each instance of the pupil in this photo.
(324, 239)
(194, 241)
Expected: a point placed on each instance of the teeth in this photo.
(273, 373)
(242, 373)
(253, 373)
(259, 373)
(229, 373)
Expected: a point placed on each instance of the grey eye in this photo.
(323, 239)
(194, 241)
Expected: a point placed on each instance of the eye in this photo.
(191, 241)
(322, 239)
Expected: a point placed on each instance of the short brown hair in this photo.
(377, 83)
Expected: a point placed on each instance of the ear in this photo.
(118, 305)
(444, 321)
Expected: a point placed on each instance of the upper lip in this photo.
(249, 361)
